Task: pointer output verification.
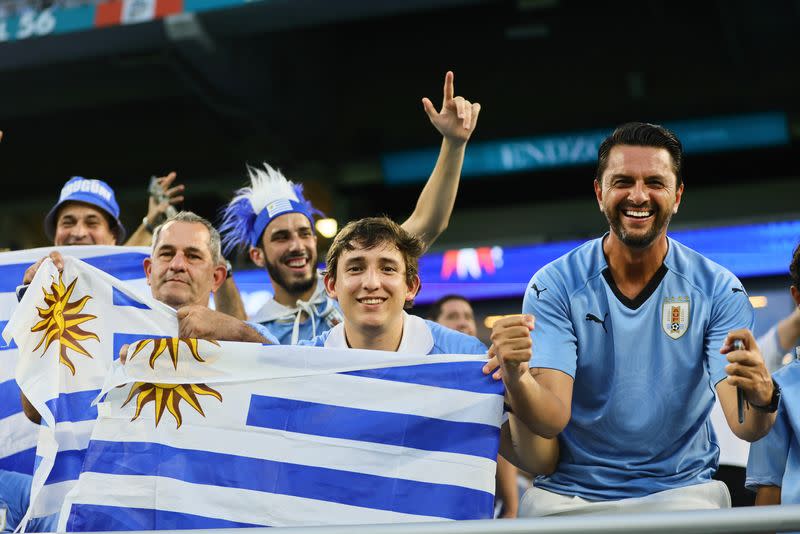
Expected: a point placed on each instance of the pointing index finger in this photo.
(449, 91)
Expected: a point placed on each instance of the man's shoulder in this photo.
(699, 270)
(449, 341)
(572, 269)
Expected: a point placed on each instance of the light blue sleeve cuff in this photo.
(264, 332)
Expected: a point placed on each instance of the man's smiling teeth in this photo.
(637, 213)
(370, 301)
(297, 262)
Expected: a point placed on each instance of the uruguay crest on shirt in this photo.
(675, 316)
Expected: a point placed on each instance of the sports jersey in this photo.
(775, 459)
(644, 369)
(15, 494)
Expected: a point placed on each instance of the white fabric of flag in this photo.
(240, 434)
(18, 435)
(69, 328)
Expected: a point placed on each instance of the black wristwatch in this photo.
(772, 407)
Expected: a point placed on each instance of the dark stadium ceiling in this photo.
(322, 88)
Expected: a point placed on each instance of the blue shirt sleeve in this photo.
(555, 345)
(730, 310)
(15, 494)
(264, 332)
(767, 461)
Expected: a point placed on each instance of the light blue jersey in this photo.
(15, 494)
(420, 336)
(775, 459)
(644, 369)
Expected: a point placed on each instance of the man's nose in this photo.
(371, 279)
(79, 230)
(295, 243)
(638, 194)
(178, 262)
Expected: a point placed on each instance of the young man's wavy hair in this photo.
(369, 233)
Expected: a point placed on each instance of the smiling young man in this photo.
(632, 340)
(372, 271)
(274, 222)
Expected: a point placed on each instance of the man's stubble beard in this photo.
(295, 288)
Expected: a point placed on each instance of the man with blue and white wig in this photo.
(273, 221)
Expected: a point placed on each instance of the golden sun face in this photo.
(60, 321)
(171, 346)
(169, 396)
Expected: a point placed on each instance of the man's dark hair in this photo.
(436, 308)
(369, 233)
(794, 267)
(642, 134)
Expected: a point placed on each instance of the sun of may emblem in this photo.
(169, 396)
(171, 346)
(60, 320)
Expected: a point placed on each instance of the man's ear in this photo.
(413, 288)
(220, 273)
(330, 284)
(678, 196)
(148, 267)
(598, 193)
(257, 256)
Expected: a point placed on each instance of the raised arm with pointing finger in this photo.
(455, 121)
(273, 221)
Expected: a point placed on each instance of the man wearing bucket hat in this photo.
(86, 213)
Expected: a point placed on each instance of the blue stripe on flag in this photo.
(319, 483)
(74, 407)
(21, 462)
(93, 517)
(403, 430)
(125, 266)
(128, 339)
(11, 276)
(465, 376)
(3, 345)
(67, 466)
(121, 299)
(10, 402)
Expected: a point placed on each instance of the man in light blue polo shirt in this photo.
(633, 338)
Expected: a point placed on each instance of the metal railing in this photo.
(733, 520)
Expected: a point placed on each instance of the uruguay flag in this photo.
(17, 434)
(238, 434)
(69, 328)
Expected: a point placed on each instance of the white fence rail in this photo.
(735, 520)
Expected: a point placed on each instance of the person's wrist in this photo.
(772, 405)
(148, 225)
